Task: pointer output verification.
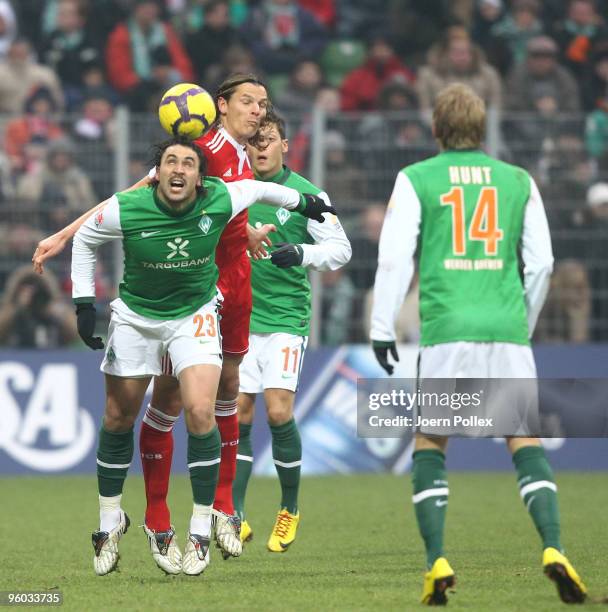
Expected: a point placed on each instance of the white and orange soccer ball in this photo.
(186, 110)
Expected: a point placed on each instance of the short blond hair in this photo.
(459, 118)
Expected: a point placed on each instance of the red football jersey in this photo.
(228, 160)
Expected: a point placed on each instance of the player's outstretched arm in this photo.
(245, 193)
(53, 245)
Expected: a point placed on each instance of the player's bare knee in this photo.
(116, 419)
(200, 418)
(279, 406)
(246, 408)
(166, 395)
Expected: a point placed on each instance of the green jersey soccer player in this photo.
(280, 325)
(468, 214)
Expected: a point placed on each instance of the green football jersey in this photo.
(281, 296)
(472, 214)
(169, 256)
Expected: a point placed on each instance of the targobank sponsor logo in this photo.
(168, 265)
(41, 424)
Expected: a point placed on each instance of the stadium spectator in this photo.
(237, 59)
(595, 81)
(337, 308)
(362, 268)
(596, 139)
(577, 34)
(8, 27)
(565, 173)
(70, 49)
(327, 99)
(130, 53)
(486, 15)
(26, 137)
(343, 180)
(94, 132)
(20, 75)
(566, 315)
(595, 238)
(356, 19)
(517, 27)
(393, 137)
(414, 26)
(207, 45)
(59, 187)
(281, 33)
(191, 18)
(457, 59)
(323, 10)
(33, 314)
(361, 86)
(541, 68)
(304, 83)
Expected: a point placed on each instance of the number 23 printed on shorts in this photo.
(205, 325)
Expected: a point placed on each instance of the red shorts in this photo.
(235, 284)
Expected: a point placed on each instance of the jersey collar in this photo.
(231, 140)
(280, 177)
(167, 210)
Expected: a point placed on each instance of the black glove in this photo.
(381, 350)
(86, 325)
(314, 207)
(287, 255)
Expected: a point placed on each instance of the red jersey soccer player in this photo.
(242, 101)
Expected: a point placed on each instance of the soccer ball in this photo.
(186, 110)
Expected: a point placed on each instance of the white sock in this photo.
(109, 512)
(200, 523)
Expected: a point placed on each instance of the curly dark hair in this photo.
(160, 148)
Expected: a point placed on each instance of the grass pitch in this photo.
(357, 548)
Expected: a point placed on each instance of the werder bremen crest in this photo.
(205, 224)
(283, 215)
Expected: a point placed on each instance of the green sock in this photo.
(539, 492)
(244, 465)
(204, 465)
(430, 500)
(114, 454)
(287, 456)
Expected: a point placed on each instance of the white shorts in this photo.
(507, 407)
(274, 361)
(476, 360)
(136, 344)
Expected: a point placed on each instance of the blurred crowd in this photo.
(374, 67)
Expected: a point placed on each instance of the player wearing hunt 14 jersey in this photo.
(279, 327)
(468, 214)
(168, 304)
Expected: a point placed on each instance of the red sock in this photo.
(156, 449)
(228, 424)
